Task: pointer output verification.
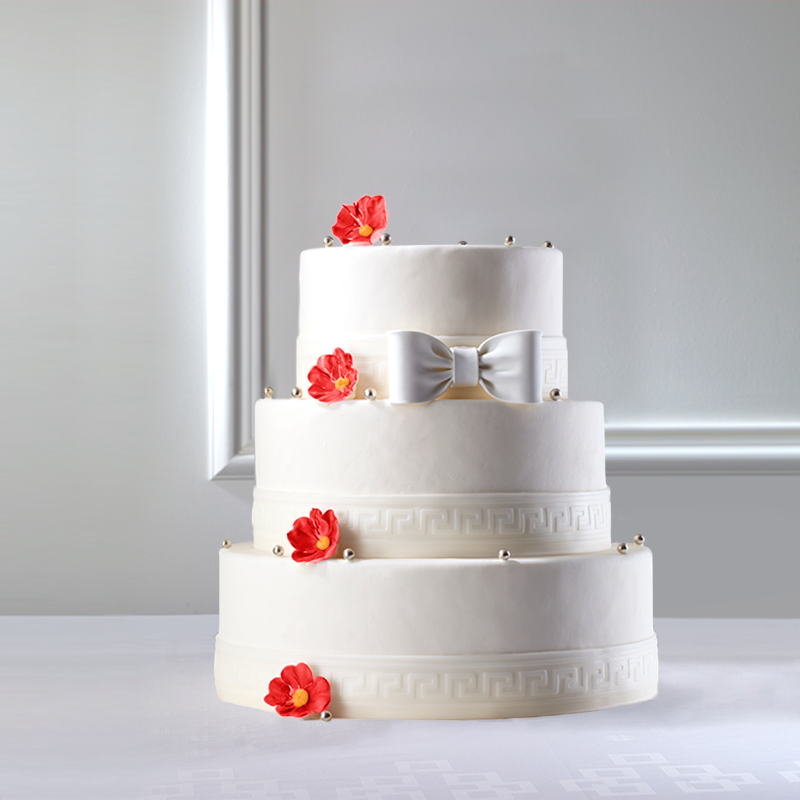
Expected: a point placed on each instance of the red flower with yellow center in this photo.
(333, 378)
(297, 693)
(362, 222)
(315, 537)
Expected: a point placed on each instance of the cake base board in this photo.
(452, 687)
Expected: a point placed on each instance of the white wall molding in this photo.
(703, 450)
(236, 215)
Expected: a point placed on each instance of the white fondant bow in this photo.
(422, 367)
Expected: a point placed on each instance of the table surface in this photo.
(124, 707)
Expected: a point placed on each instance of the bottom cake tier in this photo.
(441, 638)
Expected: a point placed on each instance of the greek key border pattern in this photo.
(579, 679)
(539, 523)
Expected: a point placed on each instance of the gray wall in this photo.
(654, 143)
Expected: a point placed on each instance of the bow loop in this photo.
(508, 366)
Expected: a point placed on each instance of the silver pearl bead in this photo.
(386, 239)
(639, 539)
(268, 392)
(555, 394)
(326, 716)
(348, 554)
(462, 242)
(277, 551)
(622, 548)
(370, 394)
(547, 244)
(504, 555)
(297, 392)
(509, 241)
(226, 544)
(328, 241)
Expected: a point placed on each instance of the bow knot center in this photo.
(465, 366)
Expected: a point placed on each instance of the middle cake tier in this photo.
(462, 478)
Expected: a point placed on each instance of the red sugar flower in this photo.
(363, 222)
(297, 693)
(314, 537)
(333, 378)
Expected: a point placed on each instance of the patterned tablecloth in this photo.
(124, 707)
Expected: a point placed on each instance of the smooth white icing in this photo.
(439, 289)
(357, 447)
(435, 607)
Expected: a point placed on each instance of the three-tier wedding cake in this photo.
(432, 528)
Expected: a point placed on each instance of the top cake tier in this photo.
(351, 296)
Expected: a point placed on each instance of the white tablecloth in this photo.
(124, 707)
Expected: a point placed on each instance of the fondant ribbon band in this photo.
(508, 366)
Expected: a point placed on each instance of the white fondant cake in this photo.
(481, 580)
